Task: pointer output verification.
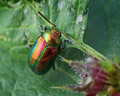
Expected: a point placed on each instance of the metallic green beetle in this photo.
(45, 50)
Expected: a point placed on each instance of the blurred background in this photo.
(16, 79)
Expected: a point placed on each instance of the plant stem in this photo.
(87, 49)
(79, 45)
(90, 51)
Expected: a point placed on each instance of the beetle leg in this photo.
(64, 42)
(41, 33)
(53, 66)
(43, 28)
(29, 45)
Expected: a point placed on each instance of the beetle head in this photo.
(56, 31)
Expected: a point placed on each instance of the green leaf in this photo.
(23, 19)
(19, 25)
(102, 32)
(17, 79)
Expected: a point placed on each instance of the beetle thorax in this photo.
(51, 38)
(56, 33)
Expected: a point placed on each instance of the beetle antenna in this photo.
(45, 18)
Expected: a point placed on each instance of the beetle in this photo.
(45, 50)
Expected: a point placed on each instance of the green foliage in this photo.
(19, 25)
(16, 79)
(102, 32)
(17, 18)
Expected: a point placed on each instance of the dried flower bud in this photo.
(95, 78)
